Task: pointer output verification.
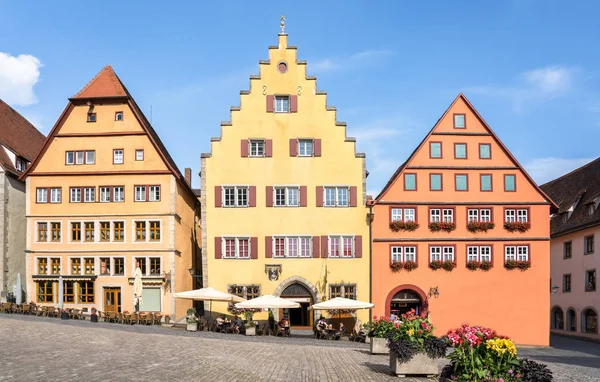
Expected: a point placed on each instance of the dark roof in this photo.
(105, 84)
(19, 136)
(197, 192)
(581, 186)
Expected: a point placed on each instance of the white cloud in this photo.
(324, 65)
(353, 61)
(370, 54)
(18, 76)
(550, 80)
(543, 170)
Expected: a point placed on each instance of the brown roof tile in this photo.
(105, 84)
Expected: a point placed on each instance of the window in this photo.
(89, 231)
(341, 246)
(55, 227)
(140, 231)
(252, 291)
(105, 194)
(486, 182)
(567, 249)
(105, 266)
(305, 147)
(141, 262)
(76, 266)
(460, 151)
(43, 266)
(410, 182)
(509, 183)
(86, 292)
(90, 157)
(91, 117)
(435, 182)
(404, 253)
(139, 155)
(335, 291)
(236, 290)
(350, 292)
(342, 290)
(461, 182)
(155, 193)
(566, 283)
(397, 254)
(20, 164)
(140, 193)
(590, 280)
(292, 246)
(437, 215)
(591, 209)
(45, 291)
(42, 229)
(88, 264)
(407, 213)
(118, 194)
(257, 148)
(437, 253)
(118, 116)
(448, 253)
(154, 231)
(75, 231)
(588, 243)
(55, 195)
(336, 196)
(70, 157)
(282, 104)
(68, 292)
(235, 196)
(435, 149)
(479, 253)
(42, 195)
(119, 231)
(481, 215)
(236, 248)
(104, 231)
(80, 157)
(118, 156)
(459, 121)
(119, 265)
(485, 151)
(287, 196)
(522, 216)
(514, 215)
(155, 265)
(75, 195)
(520, 253)
(89, 194)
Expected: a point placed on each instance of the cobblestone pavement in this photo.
(36, 348)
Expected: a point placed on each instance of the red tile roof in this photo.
(105, 84)
(19, 136)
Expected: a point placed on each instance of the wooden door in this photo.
(112, 300)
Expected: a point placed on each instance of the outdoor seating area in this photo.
(140, 318)
(39, 310)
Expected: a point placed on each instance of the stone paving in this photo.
(36, 348)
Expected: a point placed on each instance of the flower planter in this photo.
(251, 331)
(420, 364)
(193, 327)
(379, 346)
(64, 316)
(167, 319)
(94, 318)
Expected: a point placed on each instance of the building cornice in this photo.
(455, 239)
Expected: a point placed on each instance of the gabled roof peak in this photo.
(105, 84)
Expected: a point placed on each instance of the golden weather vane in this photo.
(282, 18)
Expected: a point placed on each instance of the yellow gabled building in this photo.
(102, 195)
(283, 195)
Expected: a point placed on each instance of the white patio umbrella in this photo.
(138, 288)
(19, 294)
(61, 290)
(340, 303)
(208, 294)
(267, 302)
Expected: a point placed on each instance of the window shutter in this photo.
(324, 247)
(293, 147)
(317, 147)
(269, 193)
(254, 247)
(353, 196)
(303, 196)
(252, 196)
(319, 196)
(218, 197)
(358, 246)
(268, 148)
(268, 247)
(218, 248)
(244, 148)
(270, 102)
(316, 242)
(294, 104)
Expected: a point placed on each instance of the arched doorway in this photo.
(557, 318)
(301, 294)
(403, 298)
(571, 320)
(589, 321)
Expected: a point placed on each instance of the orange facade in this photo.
(462, 179)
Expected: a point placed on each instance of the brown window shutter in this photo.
(316, 242)
(268, 148)
(244, 148)
(269, 192)
(317, 148)
(353, 196)
(218, 248)
(358, 246)
(270, 103)
(268, 247)
(294, 104)
(319, 196)
(254, 247)
(303, 196)
(252, 196)
(218, 197)
(324, 247)
(293, 147)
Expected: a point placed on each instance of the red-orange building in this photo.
(461, 186)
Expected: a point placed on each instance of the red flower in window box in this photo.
(517, 226)
(442, 226)
(520, 264)
(473, 265)
(397, 266)
(485, 265)
(398, 225)
(408, 266)
(479, 226)
(447, 265)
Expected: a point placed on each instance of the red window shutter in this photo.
(254, 247)
(293, 147)
(244, 147)
(270, 103)
(218, 197)
(317, 148)
(324, 247)
(269, 192)
(319, 196)
(268, 148)
(353, 196)
(218, 248)
(294, 104)
(358, 246)
(316, 242)
(252, 196)
(303, 196)
(268, 247)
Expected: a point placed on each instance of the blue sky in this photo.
(390, 67)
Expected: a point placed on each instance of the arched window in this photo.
(557, 318)
(589, 321)
(571, 320)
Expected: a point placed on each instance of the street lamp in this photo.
(555, 289)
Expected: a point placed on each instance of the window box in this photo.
(479, 226)
(523, 265)
(517, 226)
(447, 265)
(403, 226)
(442, 226)
(408, 266)
(483, 265)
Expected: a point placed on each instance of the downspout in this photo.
(370, 219)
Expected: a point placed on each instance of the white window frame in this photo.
(306, 147)
(105, 194)
(288, 191)
(75, 195)
(522, 253)
(485, 253)
(121, 193)
(448, 253)
(118, 156)
(42, 195)
(472, 253)
(522, 215)
(410, 253)
(397, 214)
(279, 104)
(510, 253)
(510, 215)
(139, 193)
(139, 155)
(435, 215)
(90, 157)
(257, 148)
(485, 215)
(397, 254)
(237, 239)
(78, 159)
(154, 194)
(89, 194)
(70, 161)
(472, 215)
(410, 214)
(340, 242)
(55, 195)
(237, 196)
(435, 253)
(338, 200)
(119, 116)
(287, 245)
(448, 215)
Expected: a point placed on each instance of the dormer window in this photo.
(91, 117)
(119, 116)
(565, 217)
(459, 121)
(591, 209)
(20, 164)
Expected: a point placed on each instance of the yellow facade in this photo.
(97, 263)
(337, 166)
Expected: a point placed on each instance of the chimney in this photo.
(188, 175)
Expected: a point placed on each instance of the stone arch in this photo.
(589, 320)
(302, 281)
(571, 320)
(557, 318)
(414, 288)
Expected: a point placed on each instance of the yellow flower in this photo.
(410, 332)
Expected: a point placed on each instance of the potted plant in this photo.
(447, 265)
(517, 226)
(378, 330)
(442, 226)
(94, 315)
(523, 265)
(249, 324)
(414, 349)
(398, 225)
(167, 319)
(64, 314)
(479, 226)
(192, 321)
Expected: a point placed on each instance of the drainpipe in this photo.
(370, 219)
